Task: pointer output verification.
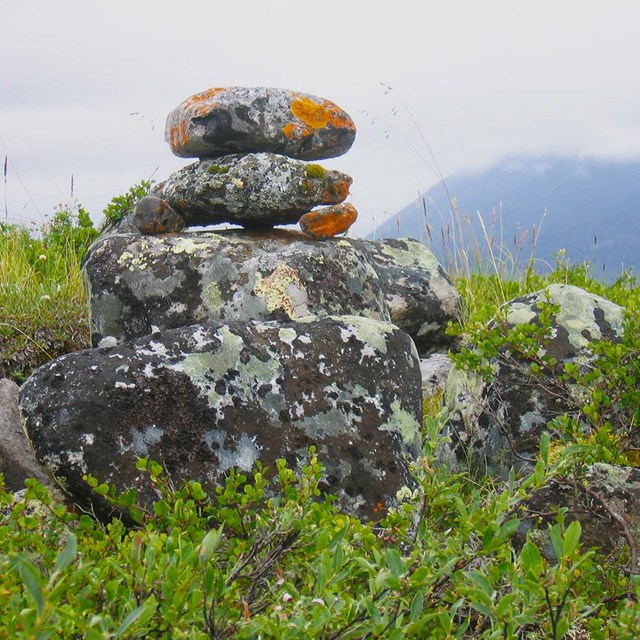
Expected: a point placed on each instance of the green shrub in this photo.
(278, 561)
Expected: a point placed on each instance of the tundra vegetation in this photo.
(274, 558)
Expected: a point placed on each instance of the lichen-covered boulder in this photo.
(137, 284)
(206, 398)
(254, 190)
(228, 120)
(419, 294)
(328, 222)
(496, 424)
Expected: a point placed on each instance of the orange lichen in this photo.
(179, 134)
(328, 221)
(200, 103)
(293, 131)
(318, 116)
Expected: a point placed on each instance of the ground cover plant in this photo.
(275, 559)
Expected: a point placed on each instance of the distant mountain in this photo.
(589, 208)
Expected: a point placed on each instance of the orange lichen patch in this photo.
(179, 134)
(200, 103)
(314, 115)
(295, 131)
(328, 221)
(318, 116)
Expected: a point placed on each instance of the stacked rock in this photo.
(254, 147)
(216, 349)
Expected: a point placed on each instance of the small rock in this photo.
(329, 221)
(242, 120)
(153, 216)
(17, 461)
(254, 190)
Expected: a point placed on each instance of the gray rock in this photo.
(228, 120)
(435, 370)
(136, 283)
(419, 294)
(206, 398)
(254, 190)
(17, 461)
(497, 424)
(153, 215)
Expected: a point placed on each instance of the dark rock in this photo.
(17, 461)
(254, 190)
(153, 215)
(228, 120)
(137, 283)
(328, 222)
(496, 425)
(605, 502)
(205, 398)
(419, 294)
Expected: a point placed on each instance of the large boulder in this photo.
(496, 424)
(228, 120)
(136, 283)
(206, 398)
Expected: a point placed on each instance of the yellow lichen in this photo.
(316, 171)
(275, 289)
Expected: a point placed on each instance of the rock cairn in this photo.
(256, 148)
(216, 349)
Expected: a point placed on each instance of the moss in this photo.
(217, 169)
(316, 171)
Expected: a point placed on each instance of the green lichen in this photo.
(405, 424)
(212, 297)
(217, 169)
(316, 171)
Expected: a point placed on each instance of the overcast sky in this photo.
(85, 87)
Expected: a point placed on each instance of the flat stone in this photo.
(206, 398)
(254, 190)
(328, 221)
(227, 120)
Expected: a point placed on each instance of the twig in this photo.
(619, 519)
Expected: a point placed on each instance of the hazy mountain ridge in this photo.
(591, 208)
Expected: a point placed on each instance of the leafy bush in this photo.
(260, 561)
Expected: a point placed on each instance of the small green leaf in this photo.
(130, 619)
(33, 582)
(66, 556)
(209, 544)
(416, 606)
(395, 563)
(572, 537)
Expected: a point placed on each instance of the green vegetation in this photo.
(217, 169)
(269, 556)
(42, 297)
(316, 171)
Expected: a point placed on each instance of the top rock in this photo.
(242, 120)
